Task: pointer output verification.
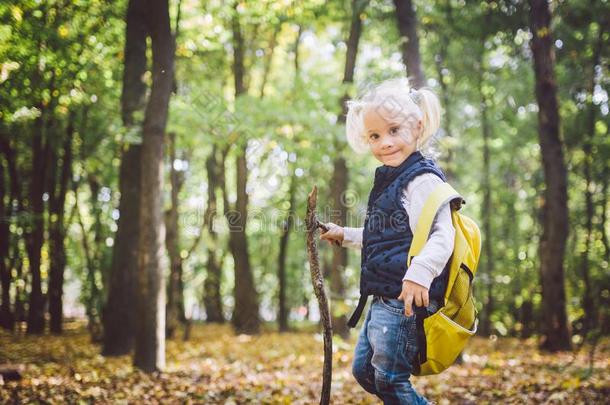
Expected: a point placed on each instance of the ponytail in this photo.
(430, 107)
(354, 126)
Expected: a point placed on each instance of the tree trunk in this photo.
(174, 310)
(269, 57)
(35, 234)
(246, 313)
(486, 208)
(339, 259)
(297, 66)
(97, 260)
(150, 320)
(175, 296)
(12, 254)
(245, 316)
(407, 26)
(555, 226)
(284, 238)
(119, 312)
(527, 316)
(57, 231)
(6, 316)
(603, 216)
(514, 241)
(441, 66)
(93, 292)
(589, 295)
(212, 299)
(340, 174)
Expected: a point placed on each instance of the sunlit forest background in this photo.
(155, 162)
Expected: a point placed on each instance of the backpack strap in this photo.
(441, 194)
(422, 345)
(353, 320)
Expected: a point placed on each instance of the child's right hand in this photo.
(334, 233)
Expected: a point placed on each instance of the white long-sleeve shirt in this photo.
(436, 252)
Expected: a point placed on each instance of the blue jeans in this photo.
(386, 346)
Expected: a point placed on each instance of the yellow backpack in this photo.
(443, 335)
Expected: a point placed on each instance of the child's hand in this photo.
(334, 233)
(413, 291)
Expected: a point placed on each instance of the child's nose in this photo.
(387, 142)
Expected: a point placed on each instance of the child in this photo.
(394, 122)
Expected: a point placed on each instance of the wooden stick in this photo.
(317, 280)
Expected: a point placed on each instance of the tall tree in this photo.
(288, 222)
(409, 41)
(287, 225)
(211, 297)
(119, 312)
(57, 228)
(589, 294)
(150, 321)
(555, 209)
(175, 287)
(441, 63)
(6, 315)
(340, 173)
(44, 133)
(35, 233)
(246, 313)
(91, 253)
(486, 208)
(11, 253)
(175, 312)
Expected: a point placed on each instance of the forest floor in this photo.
(218, 367)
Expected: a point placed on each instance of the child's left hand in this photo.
(413, 291)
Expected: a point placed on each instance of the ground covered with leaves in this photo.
(218, 367)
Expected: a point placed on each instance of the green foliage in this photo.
(59, 58)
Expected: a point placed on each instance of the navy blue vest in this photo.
(387, 235)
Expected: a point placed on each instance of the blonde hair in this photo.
(394, 97)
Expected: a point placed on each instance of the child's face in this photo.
(383, 134)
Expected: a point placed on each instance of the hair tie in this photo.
(415, 95)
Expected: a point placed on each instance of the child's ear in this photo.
(419, 132)
(419, 129)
